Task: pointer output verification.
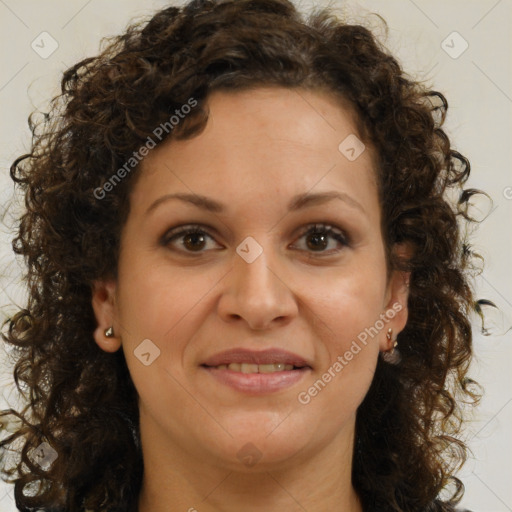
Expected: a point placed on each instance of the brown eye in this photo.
(319, 236)
(192, 239)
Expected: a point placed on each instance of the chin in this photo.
(260, 446)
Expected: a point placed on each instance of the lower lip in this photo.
(258, 383)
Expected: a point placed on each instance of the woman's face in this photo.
(270, 159)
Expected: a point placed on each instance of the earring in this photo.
(392, 355)
(109, 333)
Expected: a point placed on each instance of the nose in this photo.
(257, 293)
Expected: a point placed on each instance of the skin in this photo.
(260, 148)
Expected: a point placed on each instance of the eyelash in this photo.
(312, 229)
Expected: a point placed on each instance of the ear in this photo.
(396, 298)
(103, 304)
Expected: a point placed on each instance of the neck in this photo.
(174, 481)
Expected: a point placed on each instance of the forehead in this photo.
(303, 120)
(273, 140)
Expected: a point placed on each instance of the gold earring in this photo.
(392, 355)
(109, 333)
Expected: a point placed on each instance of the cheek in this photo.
(347, 345)
(348, 301)
(155, 296)
(348, 328)
(162, 304)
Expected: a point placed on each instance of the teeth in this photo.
(256, 368)
(248, 368)
(278, 367)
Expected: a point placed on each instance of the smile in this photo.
(255, 368)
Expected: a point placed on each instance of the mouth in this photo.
(256, 368)
(257, 372)
(256, 361)
(256, 380)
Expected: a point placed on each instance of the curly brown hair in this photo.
(81, 399)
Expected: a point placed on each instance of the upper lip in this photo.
(268, 356)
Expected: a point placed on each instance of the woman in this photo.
(248, 290)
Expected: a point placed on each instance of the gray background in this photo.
(477, 84)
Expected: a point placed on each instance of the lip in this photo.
(268, 356)
(257, 383)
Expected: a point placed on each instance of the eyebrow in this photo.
(298, 202)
